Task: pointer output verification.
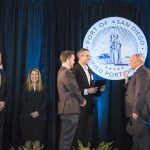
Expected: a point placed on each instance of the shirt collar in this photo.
(1, 66)
(135, 70)
(84, 67)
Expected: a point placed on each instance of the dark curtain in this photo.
(34, 32)
(27, 33)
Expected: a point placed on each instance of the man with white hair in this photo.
(137, 103)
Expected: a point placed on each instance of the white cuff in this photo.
(85, 92)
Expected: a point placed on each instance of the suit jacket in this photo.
(83, 83)
(3, 86)
(70, 96)
(33, 101)
(138, 87)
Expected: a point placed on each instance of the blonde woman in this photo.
(33, 109)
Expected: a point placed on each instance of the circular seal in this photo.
(111, 42)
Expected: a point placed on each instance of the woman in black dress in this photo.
(33, 109)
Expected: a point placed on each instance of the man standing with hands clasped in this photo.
(137, 103)
(70, 100)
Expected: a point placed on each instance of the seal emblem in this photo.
(111, 42)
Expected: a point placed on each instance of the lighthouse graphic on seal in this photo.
(113, 55)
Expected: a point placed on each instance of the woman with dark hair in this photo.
(33, 109)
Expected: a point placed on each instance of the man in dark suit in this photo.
(3, 93)
(85, 81)
(70, 100)
(137, 103)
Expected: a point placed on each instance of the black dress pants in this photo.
(84, 131)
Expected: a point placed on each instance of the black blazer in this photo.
(3, 86)
(33, 101)
(83, 84)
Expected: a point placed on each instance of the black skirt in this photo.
(32, 129)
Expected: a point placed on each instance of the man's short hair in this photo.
(81, 50)
(66, 55)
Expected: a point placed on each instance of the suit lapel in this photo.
(2, 80)
(84, 74)
(135, 74)
(91, 79)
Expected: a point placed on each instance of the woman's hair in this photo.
(39, 84)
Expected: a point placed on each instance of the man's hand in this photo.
(134, 115)
(2, 105)
(83, 104)
(126, 77)
(92, 90)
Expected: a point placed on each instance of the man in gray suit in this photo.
(137, 103)
(70, 100)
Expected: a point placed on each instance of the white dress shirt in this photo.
(85, 68)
